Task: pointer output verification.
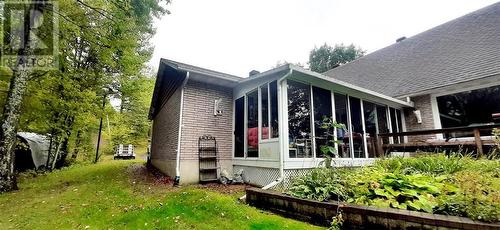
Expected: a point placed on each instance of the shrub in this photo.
(321, 184)
(436, 164)
(477, 198)
(414, 192)
(451, 185)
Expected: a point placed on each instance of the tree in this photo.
(103, 44)
(17, 89)
(326, 57)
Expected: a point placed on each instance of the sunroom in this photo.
(278, 119)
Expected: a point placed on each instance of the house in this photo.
(268, 125)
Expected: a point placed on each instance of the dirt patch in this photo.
(140, 173)
(148, 175)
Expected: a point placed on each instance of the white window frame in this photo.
(270, 132)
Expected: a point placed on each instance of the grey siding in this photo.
(422, 103)
(199, 120)
(165, 135)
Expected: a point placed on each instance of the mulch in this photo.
(142, 173)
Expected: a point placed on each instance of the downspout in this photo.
(178, 156)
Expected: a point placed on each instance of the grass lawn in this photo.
(110, 195)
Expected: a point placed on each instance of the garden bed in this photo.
(355, 216)
(453, 186)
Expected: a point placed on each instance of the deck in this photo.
(478, 137)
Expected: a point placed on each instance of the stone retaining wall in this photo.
(355, 216)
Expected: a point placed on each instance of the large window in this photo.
(382, 122)
(400, 124)
(370, 115)
(341, 116)
(299, 120)
(273, 93)
(309, 105)
(322, 103)
(239, 127)
(357, 127)
(269, 110)
(261, 104)
(252, 124)
(394, 124)
(474, 107)
(264, 98)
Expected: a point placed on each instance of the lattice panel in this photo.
(290, 174)
(258, 176)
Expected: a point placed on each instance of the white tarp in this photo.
(39, 146)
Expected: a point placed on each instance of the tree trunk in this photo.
(12, 107)
(8, 131)
(77, 145)
(58, 149)
(69, 128)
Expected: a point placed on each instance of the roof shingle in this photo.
(461, 50)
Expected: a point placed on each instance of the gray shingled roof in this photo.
(461, 50)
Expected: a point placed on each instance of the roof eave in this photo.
(348, 85)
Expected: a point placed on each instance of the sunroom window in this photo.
(382, 122)
(370, 115)
(269, 110)
(264, 98)
(239, 127)
(299, 120)
(396, 124)
(273, 94)
(341, 116)
(322, 103)
(253, 124)
(357, 127)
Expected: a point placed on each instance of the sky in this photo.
(236, 36)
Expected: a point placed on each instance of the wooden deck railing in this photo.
(475, 130)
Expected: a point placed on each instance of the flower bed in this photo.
(455, 185)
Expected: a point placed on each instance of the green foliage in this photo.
(478, 197)
(414, 192)
(328, 150)
(496, 140)
(326, 57)
(433, 164)
(103, 48)
(452, 185)
(320, 184)
(337, 221)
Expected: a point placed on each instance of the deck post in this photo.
(380, 148)
(479, 144)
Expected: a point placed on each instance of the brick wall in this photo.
(165, 135)
(199, 119)
(422, 103)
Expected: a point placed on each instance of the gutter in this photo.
(178, 155)
(282, 140)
